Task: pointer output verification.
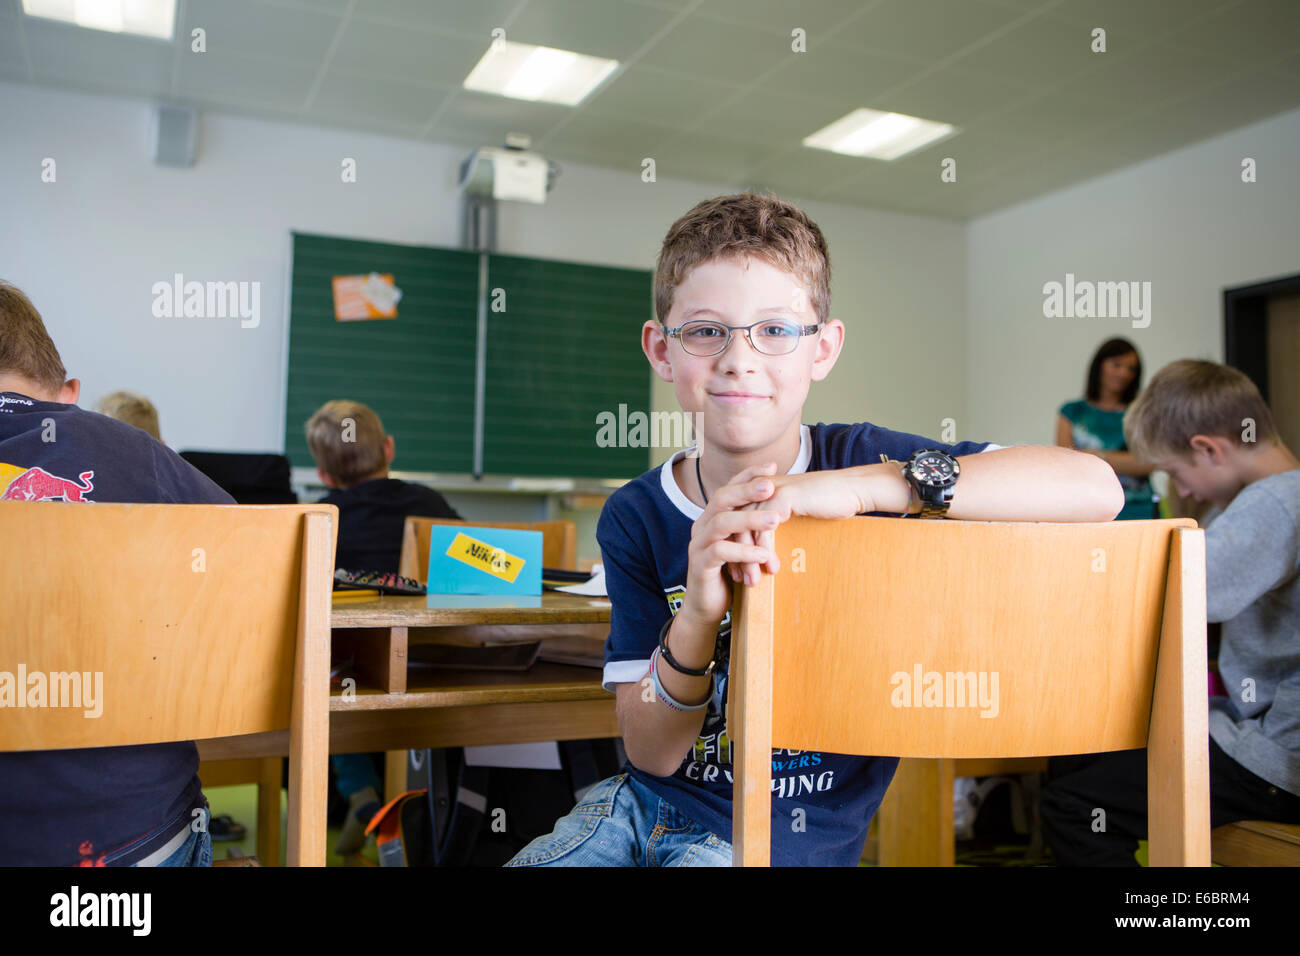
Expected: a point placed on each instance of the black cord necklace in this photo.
(700, 480)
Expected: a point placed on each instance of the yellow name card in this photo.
(485, 557)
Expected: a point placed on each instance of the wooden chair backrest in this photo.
(204, 621)
(975, 639)
(559, 542)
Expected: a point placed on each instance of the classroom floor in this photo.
(241, 803)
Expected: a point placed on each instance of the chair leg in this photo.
(269, 782)
(916, 815)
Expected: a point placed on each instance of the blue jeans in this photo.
(195, 851)
(620, 822)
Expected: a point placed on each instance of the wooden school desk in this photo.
(456, 708)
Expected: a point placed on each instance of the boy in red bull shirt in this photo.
(106, 806)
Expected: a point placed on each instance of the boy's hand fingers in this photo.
(728, 524)
(736, 553)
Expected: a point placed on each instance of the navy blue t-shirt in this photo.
(644, 533)
(63, 807)
(372, 516)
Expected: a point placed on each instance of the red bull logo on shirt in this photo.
(37, 484)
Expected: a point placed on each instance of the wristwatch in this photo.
(934, 475)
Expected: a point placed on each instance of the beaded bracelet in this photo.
(663, 695)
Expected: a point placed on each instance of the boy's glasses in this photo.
(771, 336)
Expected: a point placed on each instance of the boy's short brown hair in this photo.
(26, 349)
(745, 224)
(347, 440)
(132, 408)
(1194, 397)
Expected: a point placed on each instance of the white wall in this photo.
(89, 247)
(1183, 221)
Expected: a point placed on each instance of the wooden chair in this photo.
(206, 621)
(559, 542)
(1256, 843)
(1096, 633)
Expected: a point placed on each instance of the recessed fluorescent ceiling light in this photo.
(538, 73)
(878, 135)
(150, 18)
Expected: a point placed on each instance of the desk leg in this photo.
(394, 773)
(916, 815)
(269, 784)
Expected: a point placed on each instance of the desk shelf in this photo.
(444, 687)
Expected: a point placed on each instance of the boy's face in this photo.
(747, 400)
(1208, 472)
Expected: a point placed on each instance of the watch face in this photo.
(934, 468)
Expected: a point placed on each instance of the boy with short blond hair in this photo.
(107, 806)
(1208, 426)
(742, 298)
(353, 454)
(132, 408)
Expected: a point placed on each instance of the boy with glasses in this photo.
(675, 540)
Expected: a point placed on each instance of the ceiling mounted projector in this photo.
(508, 172)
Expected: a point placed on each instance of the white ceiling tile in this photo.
(951, 96)
(467, 17)
(657, 96)
(250, 29)
(491, 117)
(816, 17)
(594, 27)
(926, 29)
(105, 62)
(1051, 115)
(414, 56)
(345, 96)
(235, 81)
(1133, 22)
(1157, 73)
(731, 53)
(722, 97)
(808, 171)
(1047, 49)
(702, 156)
(849, 78)
(626, 135)
(1257, 29)
(773, 118)
(1289, 64)
(316, 6)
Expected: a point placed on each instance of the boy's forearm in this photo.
(1026, 483)
(655, 736)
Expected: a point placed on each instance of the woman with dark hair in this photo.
(1095, 423)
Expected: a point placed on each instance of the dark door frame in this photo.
(1245, 326)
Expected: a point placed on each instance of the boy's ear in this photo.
(390, 448)
(1211, 446)
(655, 346)
(70, 392)
(327, 480)
(829, 342)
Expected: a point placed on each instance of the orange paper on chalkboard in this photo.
(373, 296)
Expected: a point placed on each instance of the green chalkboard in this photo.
(562, 345)
(565, 347)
